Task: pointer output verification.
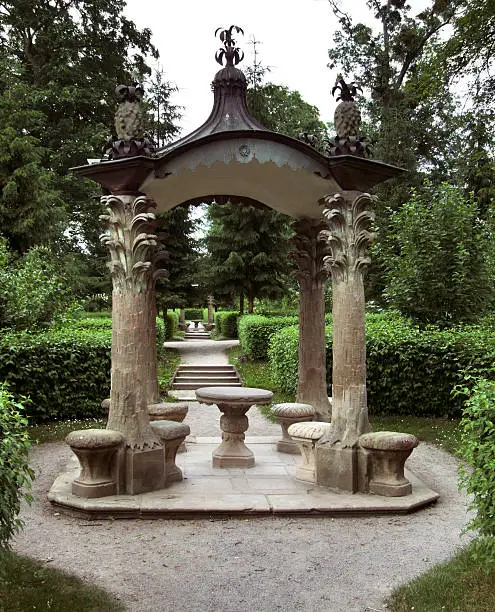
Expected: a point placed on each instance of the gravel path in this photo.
(251, 564)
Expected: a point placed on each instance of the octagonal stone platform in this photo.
(267, 488)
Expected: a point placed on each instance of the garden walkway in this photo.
(270, 563)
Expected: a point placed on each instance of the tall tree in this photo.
(412, 118)
(176, 229)
(248, 249)
(164, 114)
(63, 59)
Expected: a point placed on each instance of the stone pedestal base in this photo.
(97, 451)
(144, 470)
(337, 467)
(386, 453)
(232, 452)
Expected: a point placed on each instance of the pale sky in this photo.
(295, 36)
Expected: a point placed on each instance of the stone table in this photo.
(233, 402)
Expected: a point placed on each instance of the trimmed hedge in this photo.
(226, 323)
(409, 371)
(100, 324)
(255, 332)
(171, 325)
(193, 314)
(64, 372)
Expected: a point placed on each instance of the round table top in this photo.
(233, 395)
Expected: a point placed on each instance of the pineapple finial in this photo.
(129, 125)
(347, 91)
(347, 120)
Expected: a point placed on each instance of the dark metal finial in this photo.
(232, 54)
(347, 91)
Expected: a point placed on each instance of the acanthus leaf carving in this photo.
(311, 249)
(130, 240)
(349, 236)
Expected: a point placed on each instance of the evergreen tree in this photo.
(176, 230)
(249, 251)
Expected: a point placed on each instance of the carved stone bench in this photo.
(172, 435)
(387, 454)
(306, 435)
(169, 411)
(96, 450)
(286, 415)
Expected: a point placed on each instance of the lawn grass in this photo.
(26, 584)
(259, 374)
(458, 585)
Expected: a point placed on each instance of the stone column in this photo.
(310, 251)
(134, 362)
(182, 320)
(211, 312)
(348, 215)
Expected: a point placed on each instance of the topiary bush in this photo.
(15, 472)
(255, 332)
(226, 323)
(194, 314)
(477, 475)
(171, 325)
(409, 371)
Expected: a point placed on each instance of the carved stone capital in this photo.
(130, 240)
(349, 218)
(311, 250)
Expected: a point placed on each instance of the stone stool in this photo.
(306, 435)
(286, 415)
(96, 450)
(169, 411)
(172, 435)
(388, 451)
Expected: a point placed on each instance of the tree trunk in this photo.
(311, 275)
(250, 304)
(241, 303)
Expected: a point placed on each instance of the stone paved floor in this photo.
(270, 487)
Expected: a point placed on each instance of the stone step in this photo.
(206, 368)
(206, 373)
(197, 336)
(184, 385)
(206, 379)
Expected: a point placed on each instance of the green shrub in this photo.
(64, 372)
(171, 325)
(161, 336)
(15, 472)
(194, 314)
(409, 371)
(32, 293)
(438, 257)
(226, 323)
(255, 332)
(478, 472)
(283, 357)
